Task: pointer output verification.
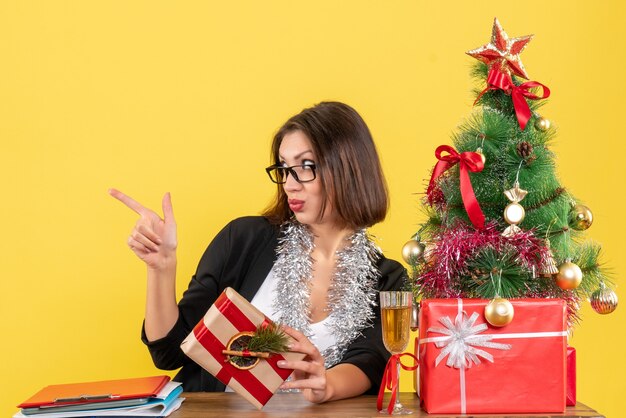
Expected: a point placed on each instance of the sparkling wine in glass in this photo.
(395, 309)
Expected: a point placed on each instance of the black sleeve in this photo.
(368, 352)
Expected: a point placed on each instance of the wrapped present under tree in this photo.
(469, 366)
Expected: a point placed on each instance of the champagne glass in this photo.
(395, 309)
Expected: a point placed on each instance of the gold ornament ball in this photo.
(514, 213)
(580, 217)
(480, 152)
(603, 301)
(499, 312)
(569, 276)
(542, 124)
(413, 251)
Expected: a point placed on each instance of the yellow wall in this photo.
(156, 96)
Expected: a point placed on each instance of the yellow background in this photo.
(156, 96)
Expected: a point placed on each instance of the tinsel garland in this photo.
(455, 246)
(453, 249)
(351, 296)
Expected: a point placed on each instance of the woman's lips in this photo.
(295, 205)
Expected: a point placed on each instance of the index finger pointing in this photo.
(128, 201)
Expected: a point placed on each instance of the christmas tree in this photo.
(500, 224)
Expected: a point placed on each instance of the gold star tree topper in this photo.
(502, 52)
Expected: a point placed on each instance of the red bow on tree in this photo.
(468, 161)
(498, 80)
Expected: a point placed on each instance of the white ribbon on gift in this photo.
(461, 339)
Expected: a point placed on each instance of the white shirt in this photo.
(321, 336)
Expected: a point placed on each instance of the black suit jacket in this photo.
(241, 256)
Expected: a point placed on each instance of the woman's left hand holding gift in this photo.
(309, 373)
(319, 385)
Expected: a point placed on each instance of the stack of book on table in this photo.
(154, 396)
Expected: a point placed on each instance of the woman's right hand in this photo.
(152, 239)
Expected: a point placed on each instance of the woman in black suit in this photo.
(307, 262)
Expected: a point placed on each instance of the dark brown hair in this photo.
(347, 165)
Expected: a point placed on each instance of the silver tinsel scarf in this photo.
(351, 296)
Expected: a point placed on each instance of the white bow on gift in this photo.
(461, 341)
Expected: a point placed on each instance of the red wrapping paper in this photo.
(570, 389)
(529, 377)
(229, 315)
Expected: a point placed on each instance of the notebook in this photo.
(94, 392)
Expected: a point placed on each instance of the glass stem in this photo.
(398, 405)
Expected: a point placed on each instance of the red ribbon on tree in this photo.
(498, 80)
(390, 379)
(468, 161)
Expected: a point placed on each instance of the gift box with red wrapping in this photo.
(229, 316)
(570, 390)
(469, 366)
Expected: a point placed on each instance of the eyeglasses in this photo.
(302, 173)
